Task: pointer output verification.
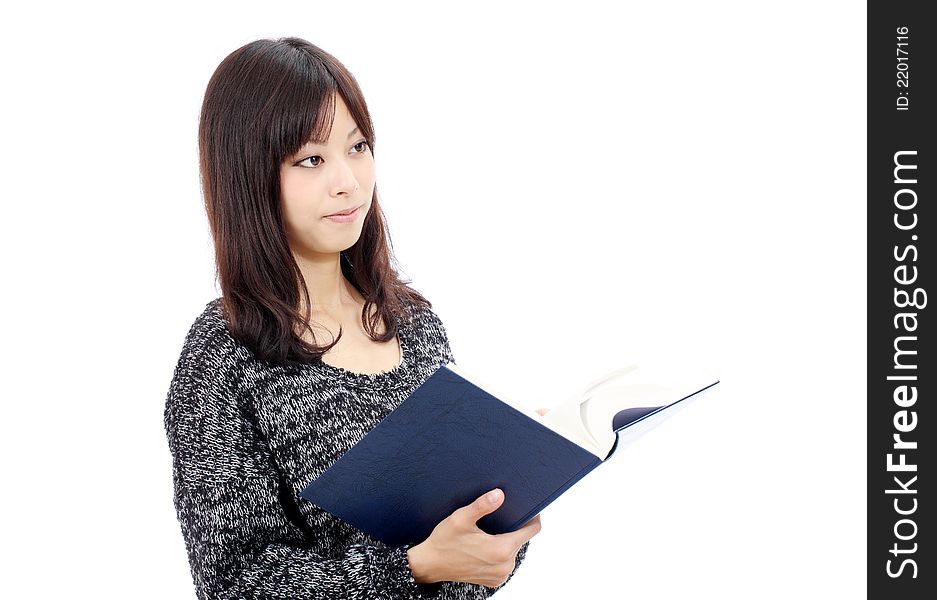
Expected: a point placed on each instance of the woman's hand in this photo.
(457, 550)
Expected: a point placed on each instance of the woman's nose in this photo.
(345, 180)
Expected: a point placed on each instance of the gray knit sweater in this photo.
(246, 438)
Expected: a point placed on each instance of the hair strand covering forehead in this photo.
(304, 103)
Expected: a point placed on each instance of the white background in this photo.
(572, 185)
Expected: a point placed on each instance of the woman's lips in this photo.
(344, 218)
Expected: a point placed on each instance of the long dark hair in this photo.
(262, 104)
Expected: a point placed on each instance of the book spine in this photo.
(559, 492)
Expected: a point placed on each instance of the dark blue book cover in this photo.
(444, 446)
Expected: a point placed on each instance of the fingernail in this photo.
(494, 495)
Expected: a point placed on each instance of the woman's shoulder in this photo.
(428, 326)
(420, 312)
(208, 336)
(209, 359)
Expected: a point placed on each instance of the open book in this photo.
(613, 399)
(452, 440)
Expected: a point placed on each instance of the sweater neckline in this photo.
(400, 375)
(395, 374)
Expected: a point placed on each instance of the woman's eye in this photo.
(319, 158)
(359, 148)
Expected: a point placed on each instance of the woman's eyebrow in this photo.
(350, 133)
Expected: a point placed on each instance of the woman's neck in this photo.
(328, 288)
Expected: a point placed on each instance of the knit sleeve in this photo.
(240, 539)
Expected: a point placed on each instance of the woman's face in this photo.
(322, 180)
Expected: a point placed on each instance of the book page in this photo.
(566, 420)
(587, 419)
(600, 409)
(569, 418)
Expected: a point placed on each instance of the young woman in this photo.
(314, 340)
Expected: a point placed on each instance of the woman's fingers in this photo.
(521, 536)
(483, 505)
